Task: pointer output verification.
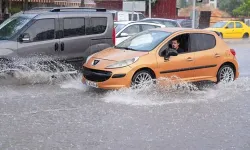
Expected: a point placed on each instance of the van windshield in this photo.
(11, 26)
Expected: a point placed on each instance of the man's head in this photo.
(175, 44)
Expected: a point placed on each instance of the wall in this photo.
(165, 9)
(109, 4)
(162, 9)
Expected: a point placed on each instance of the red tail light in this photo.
(233, 51)
(113, 36)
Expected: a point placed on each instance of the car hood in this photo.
(114, 54)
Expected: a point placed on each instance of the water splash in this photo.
(178, 92)
(36, 70)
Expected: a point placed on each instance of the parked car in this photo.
(149, 55)
(66, 34)
(163, 21)
(120, 25)
(231, 29)
(126, 15)
(185, 23)
(132, 28)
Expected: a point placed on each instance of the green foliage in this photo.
(229, 5)
(14, 10)
(243, 9)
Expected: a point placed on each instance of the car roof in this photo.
(147, 23)
(177, 29)
(42, 10)
(123, 22)
(158, 19)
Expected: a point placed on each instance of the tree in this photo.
(229, 5)
(243, 9)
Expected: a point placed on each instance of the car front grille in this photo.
(96, 75)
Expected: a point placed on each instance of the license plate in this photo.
(92, 84)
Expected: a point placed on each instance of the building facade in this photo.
(162, 8)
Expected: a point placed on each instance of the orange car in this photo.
(151, 55)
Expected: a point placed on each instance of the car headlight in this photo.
(123, 63)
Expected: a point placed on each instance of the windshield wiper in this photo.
(127, 48)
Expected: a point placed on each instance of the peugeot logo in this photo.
(95, 62)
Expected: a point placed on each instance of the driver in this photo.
(175, 45)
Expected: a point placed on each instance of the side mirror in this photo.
(170, 52)
(124, 34)
(226, 27)
(24, 38)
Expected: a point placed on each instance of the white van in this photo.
(127, 15)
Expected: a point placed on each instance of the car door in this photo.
(73, 42)
(229, 30)
(239, 30)
(205, 55)
(179, 66)
(127, 32)
(39, 39)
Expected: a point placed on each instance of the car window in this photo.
(147, 27)
(42, 30)
(144, 41)
(74, 27)
(170, 24)
(134, 19)
(238, 25)
(209, 42)
(155, 21)
(118, 27)
(230, 25)
(219, 25)
(98, 25)
(141, 16)
(11, 26)
(133, 29)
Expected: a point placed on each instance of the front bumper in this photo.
(107, 79)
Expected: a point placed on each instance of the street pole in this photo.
(193, 21)
(133, 5)
(149, 8)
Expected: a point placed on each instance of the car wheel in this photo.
(221, 35)
(225, 74)
(142, 78)
(245, 36)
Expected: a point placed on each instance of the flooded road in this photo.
(67, 115)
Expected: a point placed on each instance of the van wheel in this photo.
(225, 74)
(142, 78)
(245, 36)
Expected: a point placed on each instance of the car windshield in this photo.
(11, 26)
(118, 27)
(144, 41)
(219, 25)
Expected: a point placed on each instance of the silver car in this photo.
(65, 34)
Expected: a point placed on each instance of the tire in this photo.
(140, 75)
(226, 74)
(221, 35)
(245, 36)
